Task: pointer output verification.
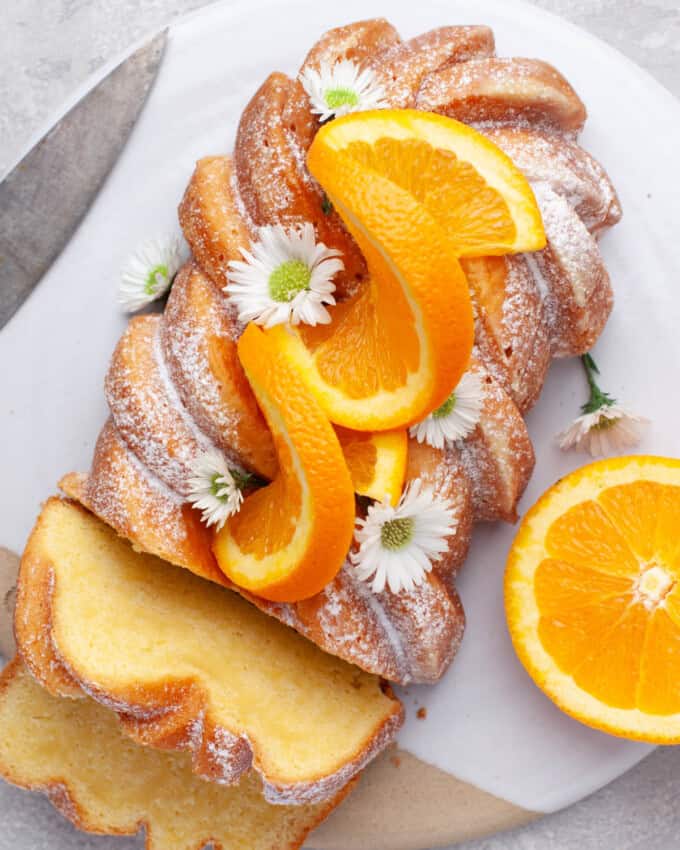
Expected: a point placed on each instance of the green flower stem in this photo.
(598, 398)
(326, 205)
(247, 480)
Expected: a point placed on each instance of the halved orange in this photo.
(416, 191)
(291, 537)
(376, 461)
(592, 596)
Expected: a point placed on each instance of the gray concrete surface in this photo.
(47, 47)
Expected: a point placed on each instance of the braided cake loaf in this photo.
(175, 386)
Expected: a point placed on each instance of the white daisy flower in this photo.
(604, 426)
(611, 428)
(337, 89)
(398, 545)
(456, 418)
(149, 272)
(213, 489)
(286, 277)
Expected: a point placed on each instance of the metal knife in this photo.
(44, 198)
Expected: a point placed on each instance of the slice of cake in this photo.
(76, 753)
(192, 666)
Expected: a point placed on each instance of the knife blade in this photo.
(44, 198)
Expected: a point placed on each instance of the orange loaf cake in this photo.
(176, 387)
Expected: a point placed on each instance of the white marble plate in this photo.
(486, 723)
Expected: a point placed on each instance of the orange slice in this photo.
(592, 596)
(291, 537)
(473, 190)
(376, 461)
(416, 191)
(397, 349)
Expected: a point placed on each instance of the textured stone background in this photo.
(47, 47)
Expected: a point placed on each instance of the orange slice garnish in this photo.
(474, 190)
(593, 596)
(376, 461)
(416, 191)
(291, 537)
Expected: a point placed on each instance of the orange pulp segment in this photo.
(291, 537)
(593, 596)
(376, 461)
(475, 192)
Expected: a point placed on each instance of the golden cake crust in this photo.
(511, 332)
(498, 457)
(272, 180)
(210, 218)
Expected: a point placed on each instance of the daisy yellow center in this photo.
(605, 423)
(341, 96)
(396, 533)
(156, 277)
(446, 408)
(288, 279)
(218, 483)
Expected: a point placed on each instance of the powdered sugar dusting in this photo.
(504, 91)
(395, 639)
(230, 756)
(566, 168)
(240, 206)
(187, 335)
(114, 484)
(580, 296)
(147, 409)
(510, 326)
(402, 67)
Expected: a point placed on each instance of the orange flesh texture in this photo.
(469, 186)
(475, 217)
(309, 507)
(606, 619)
(266, 522)
(369, 326)
(376, 461)
(416, 307)
(361, 455)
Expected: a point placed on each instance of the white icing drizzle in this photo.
(392, 635)
(240, 206)
(204, 442)
(541, 283)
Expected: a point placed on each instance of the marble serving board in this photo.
(491, 751)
